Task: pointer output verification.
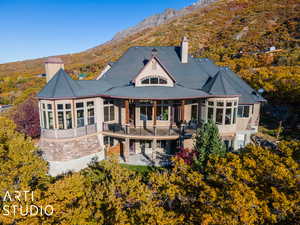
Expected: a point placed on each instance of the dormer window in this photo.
(154, 80)
(154, 74)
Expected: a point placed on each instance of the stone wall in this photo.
(69, 149)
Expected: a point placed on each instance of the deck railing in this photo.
(69, 133)
(142, 130)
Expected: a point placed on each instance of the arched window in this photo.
(154, 80)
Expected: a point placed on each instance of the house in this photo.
(81, 76)
(148, 102)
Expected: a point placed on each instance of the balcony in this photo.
(136, 131)
(69, 133)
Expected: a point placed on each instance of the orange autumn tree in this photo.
(256, 186)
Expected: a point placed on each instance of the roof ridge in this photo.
(56, 81)
(223, 80)
(64, 76)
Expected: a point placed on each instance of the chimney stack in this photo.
(184, 50)
(52, 66)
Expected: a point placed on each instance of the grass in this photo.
(139, 169)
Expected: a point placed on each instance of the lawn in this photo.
(139, 169)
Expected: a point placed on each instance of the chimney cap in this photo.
(154, 51)
(54, 60)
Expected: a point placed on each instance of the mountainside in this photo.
(236, 33)
(160, 18)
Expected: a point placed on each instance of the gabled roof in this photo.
(191, 74)
(161, 65)
(197, 78)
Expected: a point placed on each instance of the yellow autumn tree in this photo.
(21, 166)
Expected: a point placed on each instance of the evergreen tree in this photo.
(207, 141)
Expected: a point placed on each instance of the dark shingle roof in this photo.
(63, 86)
(220, 85)
(155, 92)
(197, 78)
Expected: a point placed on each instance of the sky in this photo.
(38, 28)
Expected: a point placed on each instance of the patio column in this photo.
(126, 111)
(154, 146)
(126, 147)
(182, 109)
(154, 112)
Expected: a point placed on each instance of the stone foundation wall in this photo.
(69, 149)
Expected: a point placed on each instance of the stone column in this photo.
(154, 146)
(126, 111)
(126, 147)
(182, 109)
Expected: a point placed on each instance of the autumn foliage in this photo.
(255, 186)
(27, 118)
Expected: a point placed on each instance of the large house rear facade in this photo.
(149, 101)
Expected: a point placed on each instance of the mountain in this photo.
(234, 33)
(160, 18)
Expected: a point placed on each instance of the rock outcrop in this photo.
(160, 18)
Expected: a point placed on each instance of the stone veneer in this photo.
(69, 149)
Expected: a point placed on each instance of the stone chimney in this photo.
(52, 66)
(184, 50)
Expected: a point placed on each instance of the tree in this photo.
(22, 169)
(207, 141)
(27, 118)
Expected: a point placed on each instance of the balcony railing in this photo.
(141, 130)
(69, 133)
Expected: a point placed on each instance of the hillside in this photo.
(236, 33)
(160, 18)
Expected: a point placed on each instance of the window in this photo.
(69, 119)
(194, 112)
(60, 107)
(222, 112)
(64, 116)
(60, 116)
(154, 80)
(47, 116)
(243, 111)
(61, 123)
(146, 112)
(210, 113)
(80, 114)
(146, 81)
(228, 116)
(109, 111)
(162, 112)
(90, 113)
(219, 116)
(50, 120)
(220, 103)
(162, 81)
(44, 115)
